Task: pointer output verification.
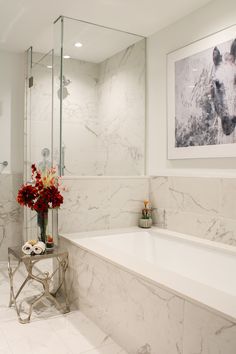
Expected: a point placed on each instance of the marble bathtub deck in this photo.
(49, 332)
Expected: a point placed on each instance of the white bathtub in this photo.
(199, 270)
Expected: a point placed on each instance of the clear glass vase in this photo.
(42, 221)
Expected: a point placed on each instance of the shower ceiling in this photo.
(29, 22)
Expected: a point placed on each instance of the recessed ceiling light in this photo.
(78, 44)
(66, 56)
(49, 66)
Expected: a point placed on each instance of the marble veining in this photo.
(141, 316)
(11, 222)
(72, 333)
(93, 204)
(203, 207)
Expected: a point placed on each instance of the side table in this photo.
(44, 278)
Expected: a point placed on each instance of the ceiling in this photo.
(98, 43)
(29, 22)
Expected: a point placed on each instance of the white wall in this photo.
(11, 110)
(215, 16)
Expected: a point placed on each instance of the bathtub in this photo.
(198, 270)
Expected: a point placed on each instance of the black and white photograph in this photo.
(204, 94)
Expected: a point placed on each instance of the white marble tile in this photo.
(196, 195)
(72, 333)
(126, 198)
(78, 329)
(11, 214)
(207, 333)
(159, 192)
(228, 198)
(135, 313)
(93, 204)
(202, 207)
(201, 225)
(85, 206)
(226, 231)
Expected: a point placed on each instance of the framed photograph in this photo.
(201, 81)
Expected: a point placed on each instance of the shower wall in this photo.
(11, 148)
(103, 128)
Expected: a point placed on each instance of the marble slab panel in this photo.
(139, 316)
(102, 203)
(193, 194)
(207, 333)
(11, 214)
(202, 206)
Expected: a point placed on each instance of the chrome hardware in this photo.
(4, 163)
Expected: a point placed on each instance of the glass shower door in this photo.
(38, 124)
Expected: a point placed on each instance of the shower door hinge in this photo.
(31, 82)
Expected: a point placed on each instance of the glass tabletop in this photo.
(49, 253)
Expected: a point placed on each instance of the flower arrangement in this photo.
(43, 194)
(146, 211)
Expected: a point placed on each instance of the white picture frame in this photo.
(200, 151)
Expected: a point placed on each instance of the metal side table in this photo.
(44, 278)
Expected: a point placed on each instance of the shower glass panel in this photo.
(99, 100)
(38, 124)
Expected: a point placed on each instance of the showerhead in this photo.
(4, 163)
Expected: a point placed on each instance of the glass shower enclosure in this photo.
(85, 110)
(99, 100)
(37, 124)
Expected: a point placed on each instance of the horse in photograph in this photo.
(212, 104)
(223, 90)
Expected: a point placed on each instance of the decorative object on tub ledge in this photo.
(146, 220)
(41, 195)
(33, 247)
(202, 98)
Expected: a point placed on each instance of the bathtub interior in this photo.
(209, 264)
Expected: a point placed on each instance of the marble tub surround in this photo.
(199, 206)
(11, 214)
(98, 203)
(140, 315)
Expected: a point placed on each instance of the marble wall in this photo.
(11, 214)
(104, 114)
(140, 316)
(102, 203)
(199, 206)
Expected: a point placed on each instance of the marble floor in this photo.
(48, 332)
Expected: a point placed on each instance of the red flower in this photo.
(27, 195)
(40, 197)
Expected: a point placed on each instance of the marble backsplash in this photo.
(199, 206)
(102, 203)
(11, 214)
